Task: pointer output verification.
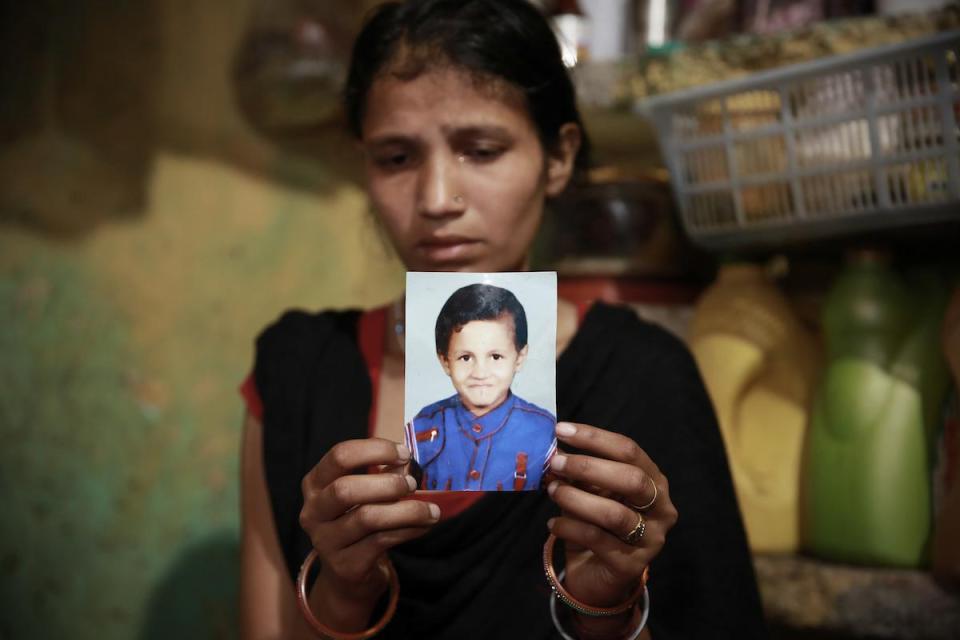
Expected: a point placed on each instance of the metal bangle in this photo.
(633, 636)
(588, 610)
(326, 632)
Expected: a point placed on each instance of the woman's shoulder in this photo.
(296, 328)
(288, 349)
(616, 352)
(621, 327)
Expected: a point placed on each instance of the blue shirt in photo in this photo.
(506, 449)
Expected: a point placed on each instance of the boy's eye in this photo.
(464, 358)
(497, 356)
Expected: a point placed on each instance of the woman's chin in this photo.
(481, 264)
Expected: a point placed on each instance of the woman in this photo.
(468, 123)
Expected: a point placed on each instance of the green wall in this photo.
(127, 324)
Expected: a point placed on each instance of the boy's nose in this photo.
(440, 195)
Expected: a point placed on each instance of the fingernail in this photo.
(403, 454)
(565, 429)
(434, 511)
(550, 523)
(412, 483)
(558, 462)
(552, 487)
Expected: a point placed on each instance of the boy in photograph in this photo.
(483, 438)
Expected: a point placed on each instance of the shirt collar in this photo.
(486, 424)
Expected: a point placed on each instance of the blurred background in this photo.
(173, 175)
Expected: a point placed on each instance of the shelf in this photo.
(808, 598)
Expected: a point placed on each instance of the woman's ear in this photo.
(562, 159)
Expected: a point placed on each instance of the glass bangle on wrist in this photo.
(633, 635)
(560, 593)
(326, 632)
(582, 607)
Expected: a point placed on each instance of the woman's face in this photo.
(457, 175)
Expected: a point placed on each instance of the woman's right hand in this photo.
(352, 519)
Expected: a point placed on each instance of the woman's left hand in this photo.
(601, 492)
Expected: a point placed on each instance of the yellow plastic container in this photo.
(759, 364)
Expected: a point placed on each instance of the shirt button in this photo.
(477, 428)
(474, 475)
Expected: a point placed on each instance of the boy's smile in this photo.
(482, 360)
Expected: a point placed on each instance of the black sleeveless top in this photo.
(479, 574)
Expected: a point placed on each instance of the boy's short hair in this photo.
(479, 302)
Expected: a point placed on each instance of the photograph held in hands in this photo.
(480, 398)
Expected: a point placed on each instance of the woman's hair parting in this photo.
(506, 40)
(479, 302)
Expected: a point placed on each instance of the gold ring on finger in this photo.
(637, 533)
(656, 492)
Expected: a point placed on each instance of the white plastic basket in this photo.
(842, 144)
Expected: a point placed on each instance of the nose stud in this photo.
(458, 199)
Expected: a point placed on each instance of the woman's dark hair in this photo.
(479, 302)
(507, 40)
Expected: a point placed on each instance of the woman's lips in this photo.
(448, 248)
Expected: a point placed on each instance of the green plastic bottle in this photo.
(868, 466)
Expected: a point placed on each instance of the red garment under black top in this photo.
(371, 334)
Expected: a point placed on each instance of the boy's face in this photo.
(481, 362)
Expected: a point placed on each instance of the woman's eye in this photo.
(392, 160)
(483, 154)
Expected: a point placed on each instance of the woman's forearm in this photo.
(603, 628)
(340, 610)
(608, 628)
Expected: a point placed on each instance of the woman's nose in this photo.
(439, 187)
